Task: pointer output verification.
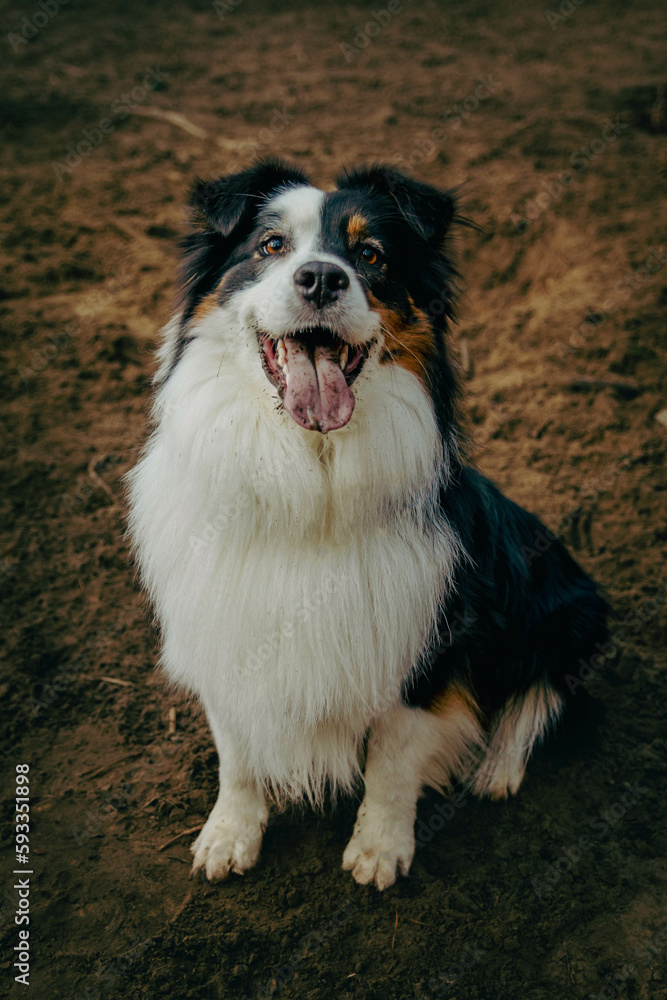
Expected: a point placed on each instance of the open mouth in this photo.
(313, 371)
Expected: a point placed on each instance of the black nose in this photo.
(320, 282)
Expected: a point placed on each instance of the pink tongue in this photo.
(317, 397)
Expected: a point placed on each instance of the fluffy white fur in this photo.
(282, 596)
(297, 577)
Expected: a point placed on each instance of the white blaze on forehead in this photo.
(301, 210)
(272, 304)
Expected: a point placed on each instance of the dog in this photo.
(346, 595)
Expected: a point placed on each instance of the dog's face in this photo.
(312, 289)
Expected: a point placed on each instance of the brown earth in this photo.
(563, 342)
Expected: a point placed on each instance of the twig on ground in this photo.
(181, 906)
(466, 358)
(183, 833)
(109, 764)
(174, 118)
(96, 479)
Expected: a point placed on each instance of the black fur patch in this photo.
(518, 616)
(224, 213)
(410, 221)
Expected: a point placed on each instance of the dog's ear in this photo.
(224, 204)
(223, 212)
(428, 211)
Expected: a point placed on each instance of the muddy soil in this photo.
(552, 120)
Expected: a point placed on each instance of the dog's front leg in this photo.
(232, 836)
(383, 837)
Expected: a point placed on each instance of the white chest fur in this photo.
(296, 577)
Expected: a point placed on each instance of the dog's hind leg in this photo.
(408, 748)
(518, 726)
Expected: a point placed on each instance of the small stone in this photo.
(661, 417)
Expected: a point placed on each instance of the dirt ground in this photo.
(553, 121)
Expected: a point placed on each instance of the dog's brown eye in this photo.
(275, 245)
(369, 255)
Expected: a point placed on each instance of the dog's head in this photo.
(321, 287)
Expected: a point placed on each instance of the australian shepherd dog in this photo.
(347, 597)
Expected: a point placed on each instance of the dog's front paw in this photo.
(229, 842)
(379, 846)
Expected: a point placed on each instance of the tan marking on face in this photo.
(408, 343)
(357, 228)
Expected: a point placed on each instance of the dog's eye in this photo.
(368, 255)
(274, 245)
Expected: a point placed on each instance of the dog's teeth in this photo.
(343, 355)
(282, 355)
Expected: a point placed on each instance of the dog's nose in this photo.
(321, 282)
